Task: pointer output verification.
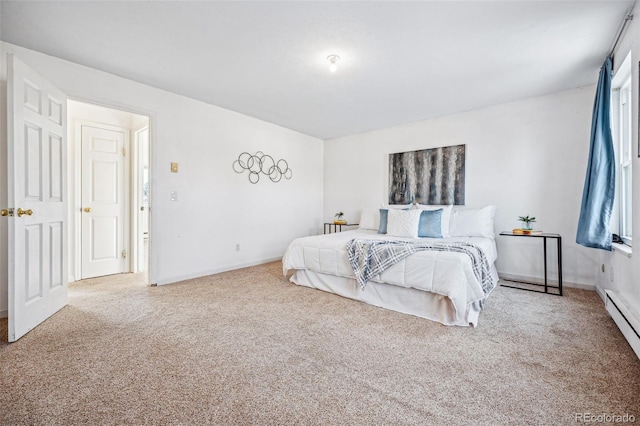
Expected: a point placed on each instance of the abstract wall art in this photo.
(427, 176)
(262, 164)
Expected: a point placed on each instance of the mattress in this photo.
(448, 274)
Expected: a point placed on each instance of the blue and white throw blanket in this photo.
(369, 258)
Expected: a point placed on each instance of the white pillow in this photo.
(370, 219)
(403, 223)
(473, 222)
(445, 222)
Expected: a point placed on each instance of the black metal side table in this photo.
(337, 227)
(546, 285)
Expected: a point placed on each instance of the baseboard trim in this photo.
(624, 319)
(554, 282)
(4, 314)
(175, 279)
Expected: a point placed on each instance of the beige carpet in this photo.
(247, 347)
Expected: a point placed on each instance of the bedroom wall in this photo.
(4, 297)
(621, 271)
(526, 157)
(216, 208)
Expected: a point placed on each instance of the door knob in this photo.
(87, 209)
(22, 212)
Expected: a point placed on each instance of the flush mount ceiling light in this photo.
(333, 62)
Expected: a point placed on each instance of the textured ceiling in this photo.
(400, 61)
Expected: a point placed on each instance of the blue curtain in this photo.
(599, 184)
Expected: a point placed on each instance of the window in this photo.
(621, 127)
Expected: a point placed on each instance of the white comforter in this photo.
(446, 273)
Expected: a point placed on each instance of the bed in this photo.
(438, 285)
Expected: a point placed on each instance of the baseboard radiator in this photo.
(624, 319)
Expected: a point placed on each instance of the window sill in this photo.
(622, 249)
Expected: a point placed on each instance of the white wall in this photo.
(4, 296)
(526, 157)
(217, 208)
(621, 272)
(77, 110)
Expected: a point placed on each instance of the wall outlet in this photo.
(611, 273)
(237, 247)
(174, 195)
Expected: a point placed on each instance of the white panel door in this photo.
(36, 121)
(102, 201)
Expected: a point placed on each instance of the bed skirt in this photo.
(410, 301)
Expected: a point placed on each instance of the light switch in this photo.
(174, 167)
(174, 195)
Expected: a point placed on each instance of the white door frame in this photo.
(153, 264)
(136, 171)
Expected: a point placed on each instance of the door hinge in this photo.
(124, 254)
(124, 151)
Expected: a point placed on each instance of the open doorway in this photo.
(108, 191)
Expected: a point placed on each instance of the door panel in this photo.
(105, 182)
(56, 240)
(33, 242)
(102, 201)
(104, 241)
(55, 111)
(33, 157)
(55, 167)
(36, 149)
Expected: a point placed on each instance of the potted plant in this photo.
(527, 222)
(339, 219)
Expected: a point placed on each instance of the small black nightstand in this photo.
(546, 285)
(337, 227)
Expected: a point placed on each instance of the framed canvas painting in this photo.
(428, 176)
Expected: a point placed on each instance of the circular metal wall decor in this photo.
(261, 163)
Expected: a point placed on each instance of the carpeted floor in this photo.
(248, 347)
